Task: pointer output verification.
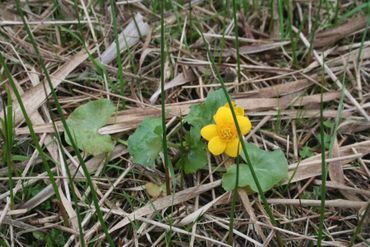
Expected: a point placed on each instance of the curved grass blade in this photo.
(65, 126)
(34, 137)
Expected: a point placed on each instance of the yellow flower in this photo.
(222, 136)
(238, 110)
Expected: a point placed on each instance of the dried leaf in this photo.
(154, 190)
(331, 36)
(127, 38)
(34, 97)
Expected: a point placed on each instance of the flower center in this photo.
(227, 131)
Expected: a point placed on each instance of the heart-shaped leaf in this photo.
(145, 143)
(84, 123)
(202, 114)
(270, 167)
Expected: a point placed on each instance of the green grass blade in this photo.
(315, 26)
(34, 137)
(233, 204)
(360, 224)
(323, 172)
(163, 97)
(355, 10)
(363, 38)
(281, 18)
(74, 195)
(65, 126)
(235, 191)
(167, 164)
(118, 50)
(7, 128)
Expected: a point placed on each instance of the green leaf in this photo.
(145, 143)
(84, 123)
(327, 139)
(38, 235)
(56, 238)
(305, 152)
(194, 157)
(201, 114)
(16, 157)
(270, 167)
(329, 124)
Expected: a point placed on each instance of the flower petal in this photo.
(223, 115)
(238, 110)
(233, 148)
(232, 103)
(245, 124)
(209, 131)
(216, 146)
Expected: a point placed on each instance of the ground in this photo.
(299, 69)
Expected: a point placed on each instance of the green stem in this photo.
(169, 171)
(235, 191)
(233, 204)
(163, 103)
(313, 30)
(323, 172)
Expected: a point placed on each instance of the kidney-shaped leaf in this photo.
(145, 143)
(84, 123)
(270, 167)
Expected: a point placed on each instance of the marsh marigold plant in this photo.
(222, 136)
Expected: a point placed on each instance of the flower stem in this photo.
(163, 104)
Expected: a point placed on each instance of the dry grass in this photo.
(280, 90)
